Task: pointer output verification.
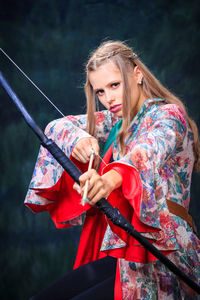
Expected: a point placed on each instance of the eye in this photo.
(99, 92)
(115, 85)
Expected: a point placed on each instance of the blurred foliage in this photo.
(50, 41)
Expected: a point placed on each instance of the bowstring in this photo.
(26, 76)
(102, 159)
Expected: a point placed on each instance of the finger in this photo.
(82, 149)
(96, 198)
(96, 162)
(77, 188)
(82, 179)
(86, 151)
(88, 181)
(88, 175)
(94, 190)
(79, 156)
(95, 185)
(95, 146)
(84, 146)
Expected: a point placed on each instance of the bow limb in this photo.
(112, 213)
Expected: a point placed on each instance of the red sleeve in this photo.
(127, 199)
(131, 183)
(129, 195)
(66, 202)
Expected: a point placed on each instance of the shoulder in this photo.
(172, 111)
(164, 120)
(170, 115)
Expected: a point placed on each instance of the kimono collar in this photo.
(115, 130)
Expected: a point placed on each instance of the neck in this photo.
(141, 99)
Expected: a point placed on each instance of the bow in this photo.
(112, 213)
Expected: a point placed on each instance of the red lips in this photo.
(115, 108)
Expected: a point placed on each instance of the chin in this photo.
(119, 114)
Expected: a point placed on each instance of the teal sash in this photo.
(114, 131)
(112, 136)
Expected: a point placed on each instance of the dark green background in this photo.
(50, 40)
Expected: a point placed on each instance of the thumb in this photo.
(95, 146)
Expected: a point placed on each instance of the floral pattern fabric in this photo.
(160, 147)
(65, 132)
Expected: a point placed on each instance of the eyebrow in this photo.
(96, 90)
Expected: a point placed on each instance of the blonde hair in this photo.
(125, 59)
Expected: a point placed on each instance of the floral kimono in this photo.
(157, 167)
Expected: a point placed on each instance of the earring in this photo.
(140, 82)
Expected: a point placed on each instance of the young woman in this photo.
(150, 148)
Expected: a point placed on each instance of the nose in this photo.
(109, 97)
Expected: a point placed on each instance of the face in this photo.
(107, 84)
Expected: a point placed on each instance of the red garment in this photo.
(66, 205)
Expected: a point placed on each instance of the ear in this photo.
(138, 75)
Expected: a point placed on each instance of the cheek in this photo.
(134, 95)
(103, 102)
(119, 94)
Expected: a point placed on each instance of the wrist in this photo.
(113, 179)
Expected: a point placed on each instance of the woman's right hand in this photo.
(84, 148)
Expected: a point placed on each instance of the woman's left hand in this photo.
(98, 186)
